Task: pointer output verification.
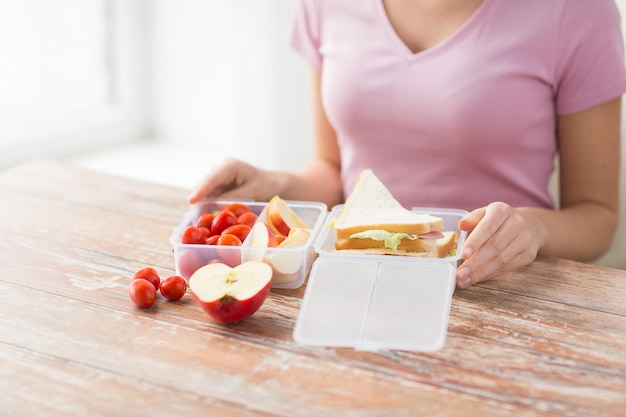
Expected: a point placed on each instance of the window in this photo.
(68, 72)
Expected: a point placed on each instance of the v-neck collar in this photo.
(403, 48)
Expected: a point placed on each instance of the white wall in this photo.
(71, 81)
(227, 84)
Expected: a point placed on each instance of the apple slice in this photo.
(289, 262)
(281, 218)
(260, 238)
(229, 295)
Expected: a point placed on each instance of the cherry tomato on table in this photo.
(150, 274)
(142, 292)
(173, 288)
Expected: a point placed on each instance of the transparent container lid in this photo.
(372, 304)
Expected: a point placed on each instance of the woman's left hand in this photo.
(501, 239)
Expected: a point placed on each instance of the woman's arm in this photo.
(589, 144)
(504, 238)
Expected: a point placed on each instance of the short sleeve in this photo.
(304, 31)
(590, 55)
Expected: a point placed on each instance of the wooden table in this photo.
(547, 340)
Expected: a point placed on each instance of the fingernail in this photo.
(465, 283)
(465, 279)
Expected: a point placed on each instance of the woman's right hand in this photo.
(233, 178)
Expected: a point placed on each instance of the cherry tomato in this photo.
(247, 218)
(205, 220)
(212, 240)
(188, 262)
(193, 235)
(149, 274)
(228, 240)
(142, 292)
(222, 220)
(239, 230)
(237, 208)
(173, 288)
(229, 256)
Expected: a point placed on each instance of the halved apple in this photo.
(281, 218)
(289, 262)
(229, 295)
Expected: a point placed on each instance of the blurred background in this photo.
(160, 90)
(153, 89)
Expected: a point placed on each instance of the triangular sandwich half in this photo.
(373, 221)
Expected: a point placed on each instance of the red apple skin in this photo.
(281, 218)
(231, 310)
(277, 224)
(272, 241)
(274, 220)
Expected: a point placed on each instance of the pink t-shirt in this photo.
(472, 120)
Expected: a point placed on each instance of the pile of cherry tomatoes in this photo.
(146, 282)
(227, 227)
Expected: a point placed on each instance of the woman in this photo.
(463, 104)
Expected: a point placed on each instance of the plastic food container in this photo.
(295, 261)
(371, 302)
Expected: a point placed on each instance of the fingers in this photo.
(205, 188)
(499, 241)
(483, 224)
(222, 180)
(469, 222)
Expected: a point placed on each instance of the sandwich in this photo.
(372, 221)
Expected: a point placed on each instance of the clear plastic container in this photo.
(291, 265)
(372, 302)
(325, 244)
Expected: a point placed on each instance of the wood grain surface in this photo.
(547, 340)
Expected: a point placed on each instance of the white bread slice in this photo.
(371, 206)
(446, 246)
